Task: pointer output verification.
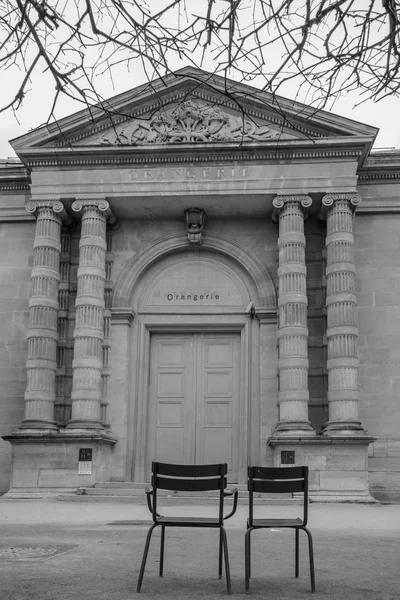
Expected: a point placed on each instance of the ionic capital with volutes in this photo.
(281, 200)
(100, 204)
(35, 206)
(353, 198)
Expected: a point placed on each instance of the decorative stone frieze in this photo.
(342, 331)
(87, 364)
(42, 335)
(189, 121)
(292, 322)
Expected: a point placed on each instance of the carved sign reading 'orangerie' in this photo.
(189, 122)
(191, 173)
(191, 283)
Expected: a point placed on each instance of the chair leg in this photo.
(144, 559)
(220, 555)
(247, 558)
(297, 552)
(162, 550)
(311, 553)
(226, 556)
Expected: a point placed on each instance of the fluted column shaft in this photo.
(292, 307)
(89, 325)
(43, 307)
(342, 331)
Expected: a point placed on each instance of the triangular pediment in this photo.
(191, 108)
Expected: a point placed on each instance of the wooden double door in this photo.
(194, 392)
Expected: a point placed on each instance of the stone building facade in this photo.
(200, 279)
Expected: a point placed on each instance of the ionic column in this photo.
(342, 331)
(89, 325)
(292, 324)
(41, 364)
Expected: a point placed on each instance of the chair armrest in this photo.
(148, 491)
(233, 492)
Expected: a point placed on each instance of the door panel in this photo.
(217, 436)
(169, 415)
(194, 399)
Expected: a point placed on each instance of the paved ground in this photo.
(53, 550)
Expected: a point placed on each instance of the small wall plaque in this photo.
(85, 461)
(287, 458)
(85, 454)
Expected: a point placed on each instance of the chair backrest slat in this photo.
(189, 478)
(189, 485)
(172, 470)
(278, 480)
(278, 486)
(277, 472)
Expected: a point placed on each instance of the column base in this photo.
(293, 428)
(36, 424)
(44, 463)
(338, 466)
(344, 428)
(83, 425)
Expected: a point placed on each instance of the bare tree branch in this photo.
(329, 47)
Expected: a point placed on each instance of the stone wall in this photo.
(377, 259)
(16, 254)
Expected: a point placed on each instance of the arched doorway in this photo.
(195, 373)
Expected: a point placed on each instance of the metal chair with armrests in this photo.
(276, 481)
(189, 478)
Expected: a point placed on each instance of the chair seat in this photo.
(189, 521)
(276, 523)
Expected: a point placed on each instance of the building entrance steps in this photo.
(134, 493)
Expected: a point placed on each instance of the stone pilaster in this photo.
(342, 331)
(43, 311)
(89, 326)
(292, 323)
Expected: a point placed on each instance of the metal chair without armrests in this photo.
(277, 481)
(189, 478)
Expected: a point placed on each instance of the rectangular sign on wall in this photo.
(85, 461)
(287, 458)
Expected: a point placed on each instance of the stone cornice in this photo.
(383, 166)
(269, 151)
(14, 176)
(15, 187)
(325, 440)
(61, 437)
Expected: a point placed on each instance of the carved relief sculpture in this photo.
(189, 122)
(195, 219)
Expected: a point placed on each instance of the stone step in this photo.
(133, 493)
(171, 501)
(137, 489)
